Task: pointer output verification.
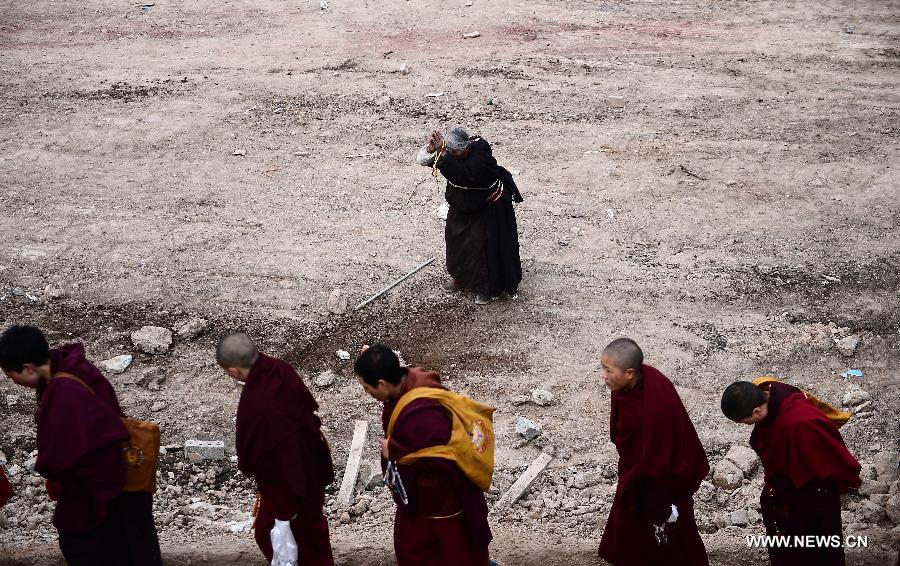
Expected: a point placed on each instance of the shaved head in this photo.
(236, 350)
(625, 354)
(740, 398)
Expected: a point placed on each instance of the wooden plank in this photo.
(352, 469)
(518, 488)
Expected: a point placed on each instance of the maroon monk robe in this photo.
(444, 522)
(6, 489)
(661, 463)
(280, 443)
(807, 467)
(78, 437)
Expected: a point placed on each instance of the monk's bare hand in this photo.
(384, 447)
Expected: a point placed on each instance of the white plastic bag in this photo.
(284, 547)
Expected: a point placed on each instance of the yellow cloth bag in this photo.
(471, 443)
(838, 418)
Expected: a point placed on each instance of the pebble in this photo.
(471, 35)
(191, 328)
(117, 364)
(528, 429)
(541, 397)
(855, 396)
(344, 355)
(326, 379)
(337, 302)
(240, 152)
(846, 345)
(892, 508)
(152, 339)
(158, 406)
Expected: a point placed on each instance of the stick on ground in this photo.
(518, 488)
(352, 469)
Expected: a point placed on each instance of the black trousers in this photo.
(126, 537)
(814, 509)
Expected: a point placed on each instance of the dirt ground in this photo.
(716, 180)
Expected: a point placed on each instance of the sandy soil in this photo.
(740, 207)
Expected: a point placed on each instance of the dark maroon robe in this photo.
(280, 443)
(445, 519)
(79, 435)
(661, 463)
(6, 489)
(481, 233)
(807, 466)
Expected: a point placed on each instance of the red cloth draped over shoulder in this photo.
(797, 441)
(78, 440)
(279, 440)
(667, 447)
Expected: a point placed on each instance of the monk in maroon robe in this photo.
(441, 517)
(661, 465)
(6, 489)
(280, 443)
(79, 436)
(806, 463)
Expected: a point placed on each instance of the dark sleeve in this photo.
(654, 500)
(423, 423)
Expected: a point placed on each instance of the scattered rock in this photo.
(744, 458)
(117, 364)
(706, 492)
(158, 406)
(441, 211)
(528, 429)
(869, 512)
(855, 396)
(152, 339)
(737, 518)
(361, 506)
(191, 328)
(892, 508)
(846, 345)
(728, 475)
(337, 302)
(520, 400)
(326, 379)
(240, 152)
(471, 35)
(343, 355)
(404, 69)
(873, 487)
(541, 397)
(886, 466)
(55, 293)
